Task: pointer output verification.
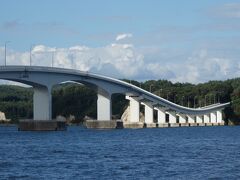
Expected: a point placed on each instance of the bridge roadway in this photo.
(42, 79)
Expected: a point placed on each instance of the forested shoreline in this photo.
(80, 101)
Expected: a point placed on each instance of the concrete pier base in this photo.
(201, 124)
(184, 125)
(193, 124)
(173, 125)
(42, 125)
(221, 124)
(133, 125)
(99, 124)
(116, 124)
(209, 124)
(215, 124)
(162, 125)
(150, 125)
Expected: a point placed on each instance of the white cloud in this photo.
(202, 67)
(158, 70)
(125, 61)
(42, 48)
(122, 58)
(123, 36)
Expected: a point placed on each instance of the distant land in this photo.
(79, 101)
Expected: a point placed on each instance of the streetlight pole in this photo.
(182, 100)
(30, 53)
(150, 88)
(205, 100)
(6, 52)
(160, 92)
(53, 56)
(194, 102)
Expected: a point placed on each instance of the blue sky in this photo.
(186, 41)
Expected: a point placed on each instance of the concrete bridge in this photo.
(42, 79)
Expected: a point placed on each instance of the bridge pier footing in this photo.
(42, 125)
(98, 124)
(42, 113)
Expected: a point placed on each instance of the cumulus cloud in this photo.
(118, 60)
(123, 36)
(42, 48)
(202, 67)
(125, 61)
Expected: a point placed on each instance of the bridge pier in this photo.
(42, 113)
(206, 118)
(199, 119)
(213, 117)
(190, 119)
(42, 103)
(219, 117)
(104, 113)
(134, 110)
(161, 116)
(104, 107)
(183, 120)
(172, 117)
(148, 109)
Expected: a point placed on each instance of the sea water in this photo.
(160, 153)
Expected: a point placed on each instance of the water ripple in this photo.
(170, 153)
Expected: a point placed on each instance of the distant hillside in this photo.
(73, 99)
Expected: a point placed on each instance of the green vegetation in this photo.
(80, 101)
(72, 99)
(16, 102)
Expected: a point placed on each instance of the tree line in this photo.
(80, 101)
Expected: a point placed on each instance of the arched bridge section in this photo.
(42, 79)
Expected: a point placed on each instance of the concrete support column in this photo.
(206, 118)
(42, 103)
(148, 113)
(172, 117)
(191, 119)
(161, 115)
(134, 109)
(182, 118)
(219, 116)
(213, 117)
(104, 107)
(199, 119)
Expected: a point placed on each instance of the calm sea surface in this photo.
(169, 153)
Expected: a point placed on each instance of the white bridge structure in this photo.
(42, 79)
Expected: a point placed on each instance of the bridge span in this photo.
(42, 79)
